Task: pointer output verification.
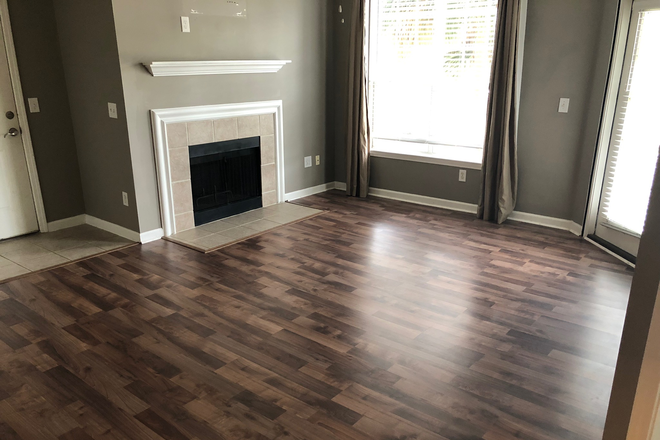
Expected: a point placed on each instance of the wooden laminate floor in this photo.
(376, 320)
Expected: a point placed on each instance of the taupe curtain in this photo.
(499, 187)
(358, 135)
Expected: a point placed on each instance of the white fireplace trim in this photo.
(161, 117)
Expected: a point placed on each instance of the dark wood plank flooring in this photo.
(376, 320)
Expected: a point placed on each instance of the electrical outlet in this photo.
(462, 175)
(308, 161)
(33, 103)
(124, 198)
(185, 24)
(112, 110)
(563, 105)
(318, 160)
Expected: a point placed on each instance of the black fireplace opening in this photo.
(226, 178)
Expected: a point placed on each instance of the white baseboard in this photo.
(549, 222)
(84, 219)
(66, 223)
(145, 237)
(576, 229)
(148, 237)
(524, 217)
(423, 200)
(309, 191)
(111, 227)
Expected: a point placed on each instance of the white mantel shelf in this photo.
(187, 68)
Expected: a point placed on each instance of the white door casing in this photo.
(17, 213)
(21, 122)
(632, 137)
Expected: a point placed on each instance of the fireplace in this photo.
(177, 130)
(225, 178)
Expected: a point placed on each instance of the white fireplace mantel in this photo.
(187, 68)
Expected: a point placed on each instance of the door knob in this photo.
(13, 132)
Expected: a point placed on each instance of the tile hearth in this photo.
(221, 233)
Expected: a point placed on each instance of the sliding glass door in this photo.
(635, 135)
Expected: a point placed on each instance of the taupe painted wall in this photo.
(149, 30)
(91, 65)
(566, 55)
(430, 179)
(600, 74)
(643, 296)
(42, 76)
(561, 48)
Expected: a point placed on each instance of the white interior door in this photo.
(635, 138)
(17, 212)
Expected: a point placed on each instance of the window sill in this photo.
(459, 157)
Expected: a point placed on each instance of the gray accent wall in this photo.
(150, 30)
(430, 180)
(561, 49)
(566, 55)
(42, 77)
(91, 65)
(600, 76)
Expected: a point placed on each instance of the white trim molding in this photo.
(149, 236)
(188, 68)
(113, 228)
(309, 191)
(66, 223)
(549, 222)
(160, 118)
(607, 117)
(436, 159)
(17, 88)
(524, 217)
(85, 219)
(423, 200)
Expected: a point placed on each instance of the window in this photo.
(429, 74)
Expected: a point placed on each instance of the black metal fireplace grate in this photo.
(226, 178)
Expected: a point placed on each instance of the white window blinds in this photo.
(430, 63)
(636, 136)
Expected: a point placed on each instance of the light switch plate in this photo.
(318, 160)
(563, 105)
(124, 198)
(308, 161)
(33, 103)
(462, 175)
(112, 110)
(185, 24)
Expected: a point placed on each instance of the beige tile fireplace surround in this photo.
(180, 136)
(175, 130)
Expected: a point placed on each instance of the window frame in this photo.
(451, 155)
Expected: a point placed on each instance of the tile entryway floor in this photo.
(36, 252)
(221, 233)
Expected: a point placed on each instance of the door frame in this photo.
(24, 126)
(607, 118)
(609, 108)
